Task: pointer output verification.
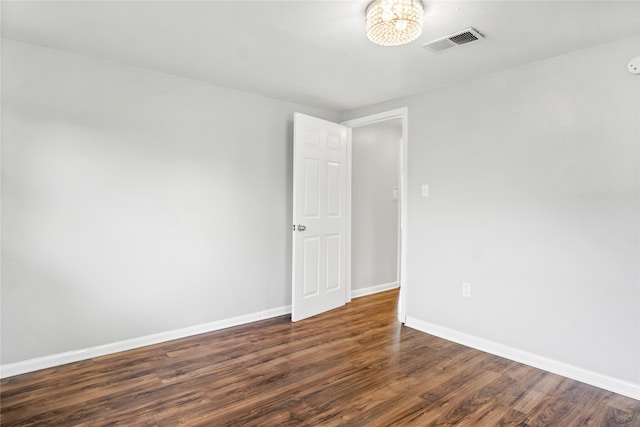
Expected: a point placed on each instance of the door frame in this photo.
(398, 113)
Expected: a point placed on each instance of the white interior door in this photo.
(319, 216)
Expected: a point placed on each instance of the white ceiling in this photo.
(316, 52)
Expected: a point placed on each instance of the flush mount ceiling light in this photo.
(394, 22)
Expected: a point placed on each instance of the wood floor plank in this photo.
(353, 366)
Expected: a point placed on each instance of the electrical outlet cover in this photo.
(466, 290)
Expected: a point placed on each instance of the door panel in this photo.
(319, 200)
(311, 261)
(333, 189)
(311, 188)
(333, 262)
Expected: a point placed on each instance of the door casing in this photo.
(403, 114)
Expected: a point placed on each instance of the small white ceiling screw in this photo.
(634, 65)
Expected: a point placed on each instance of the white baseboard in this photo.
(589, 377)
(17, 368)
(356, 293)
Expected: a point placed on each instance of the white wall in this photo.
(374, 230)
(535, 200)
(135, 202)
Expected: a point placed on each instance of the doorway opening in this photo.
(376, 244)
(323, 217)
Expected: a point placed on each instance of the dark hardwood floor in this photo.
(354, 366)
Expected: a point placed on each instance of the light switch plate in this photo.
(425, 190)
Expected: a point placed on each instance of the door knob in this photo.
(301, 228)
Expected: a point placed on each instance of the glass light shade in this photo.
(394, 22)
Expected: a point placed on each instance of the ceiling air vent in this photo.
(452, 40)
